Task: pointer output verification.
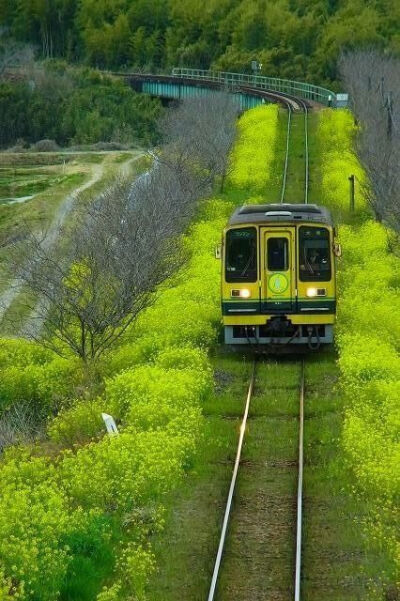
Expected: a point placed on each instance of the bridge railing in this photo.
(273, 84)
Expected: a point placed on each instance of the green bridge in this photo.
(250, 90)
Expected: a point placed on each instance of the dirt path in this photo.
(63, 211)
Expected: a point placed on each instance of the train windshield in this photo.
(278, 254)
(241, 255)
(314, 254)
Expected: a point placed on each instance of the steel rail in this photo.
(306, 158)
(285, 167)
(306, 154)
(300, 491)
(221, 545)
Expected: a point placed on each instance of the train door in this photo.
(278, 270)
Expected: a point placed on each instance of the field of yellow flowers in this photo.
(78, 507)
(367, 339)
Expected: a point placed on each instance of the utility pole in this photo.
(255, 67)
(389, 107)
(352, 179)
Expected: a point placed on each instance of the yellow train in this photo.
(278, 275)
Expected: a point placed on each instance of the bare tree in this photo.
(13, 54)
(373, 81)
(199, 135)
(89, 286)
(22, 423)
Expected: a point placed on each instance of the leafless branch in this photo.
(373, 81)
(85, 291)
(13, 54)
(89, 283)
(199, 135)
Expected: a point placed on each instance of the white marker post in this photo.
(110, 424)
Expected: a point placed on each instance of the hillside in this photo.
(291, 38)
(199, 302)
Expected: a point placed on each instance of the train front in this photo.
(278, 276)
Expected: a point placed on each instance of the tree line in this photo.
(291, 38)
(90, 286)
(373, 81)
(73, 105)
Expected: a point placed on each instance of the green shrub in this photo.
(253, 153)
(124, 471)
(147, 383)
(20, 385)
(45, 386)
(135, 565)
(21, 353)
(364, 358)
(78, 424)
(336, 132)
(8, 591)
(127, 356)
(33, 520)
(184, 358)
(367, 337)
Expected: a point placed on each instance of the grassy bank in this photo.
(369, 363)
(54, 189)
(156, 382)
(339, 562)
(138, 515)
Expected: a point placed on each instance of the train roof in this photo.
(292, 213)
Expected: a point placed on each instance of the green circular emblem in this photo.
(278, 283)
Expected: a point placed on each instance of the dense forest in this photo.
(291, 38)
(297, 39)
(73, 105)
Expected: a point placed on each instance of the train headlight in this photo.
(312, 292)
(245, 293)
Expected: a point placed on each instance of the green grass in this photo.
(314, 160)
(295, 184)
(186, 549)
(259, 557)
(259, 554)
(296, 165)
(38, 211)
(272, 194)
(17, 185)
(338, 566)
(17, 314)
(262, 517)
(43, 159)
(93, 560)
(121, 158)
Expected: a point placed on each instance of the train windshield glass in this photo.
(241, 255)
(277, 254)
(314, 254)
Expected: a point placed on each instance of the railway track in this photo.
(295, 586)
(292, 105)
(295, 106)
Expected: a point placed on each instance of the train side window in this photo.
(241, 255)
(314, 254)
(277, 254)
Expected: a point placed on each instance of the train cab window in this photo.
(277, 254)
(314, 254)
(241, 255)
